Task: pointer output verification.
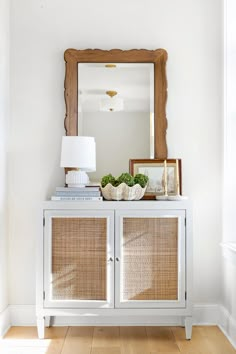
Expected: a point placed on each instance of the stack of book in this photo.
(86, 193)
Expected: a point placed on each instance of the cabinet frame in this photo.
(115, 316)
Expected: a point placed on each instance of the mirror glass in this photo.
(116, 106)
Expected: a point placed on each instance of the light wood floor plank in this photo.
(106, 337)
(157, 352)
(25, 340)
(105, 350)
(116, 340)
(161, 339)
(216, 340)
(220, 345)
(210, 331)
(197, 344)
(22, 333)
(26, 350)
(78, 340)
(133, 340)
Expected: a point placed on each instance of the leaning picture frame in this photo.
(165, 176)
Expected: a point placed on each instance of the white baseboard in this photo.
(203, 314)
(228, 325)
(22, 315)
(5, 322)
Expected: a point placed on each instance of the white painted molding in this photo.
(229, 251)
(5, 322)
(203, 314)
(228, 325)
(22, 315)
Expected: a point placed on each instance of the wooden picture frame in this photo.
(154, 169)
(158, 57)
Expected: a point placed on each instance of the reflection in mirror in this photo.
(116, 106)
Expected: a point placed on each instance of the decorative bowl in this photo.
(123, 192)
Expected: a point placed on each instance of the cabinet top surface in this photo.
(117, 205)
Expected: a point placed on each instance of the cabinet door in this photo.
(78, 262)
(150, 259)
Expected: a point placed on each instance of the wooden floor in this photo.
(116, 340)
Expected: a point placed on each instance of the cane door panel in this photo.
(150, 259)
(79, 255)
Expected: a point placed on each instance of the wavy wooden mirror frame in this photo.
(158, 57)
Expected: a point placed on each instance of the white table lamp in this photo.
(78, 152)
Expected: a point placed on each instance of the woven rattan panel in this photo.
(79, 258)
(150, 259)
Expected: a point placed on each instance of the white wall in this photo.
(4, 117)
(190, 30)
(230, 122)
(229, 229)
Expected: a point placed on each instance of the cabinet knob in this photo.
(117, 259)
(110, 259)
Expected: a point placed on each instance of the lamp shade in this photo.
(78, 152)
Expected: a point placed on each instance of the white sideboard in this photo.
(115, 258)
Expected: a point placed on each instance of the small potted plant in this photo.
(124, 187)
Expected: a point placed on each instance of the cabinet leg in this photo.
(41, 327)
(48, 321)
(188, 327)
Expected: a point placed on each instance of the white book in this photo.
(77, 189)
(54, 197)
(78, 194)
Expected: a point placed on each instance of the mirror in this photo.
(81, 91)
(115, 105)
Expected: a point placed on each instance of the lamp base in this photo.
(76, 178)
